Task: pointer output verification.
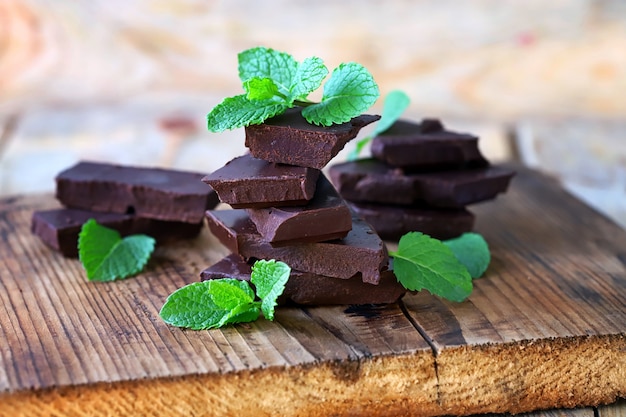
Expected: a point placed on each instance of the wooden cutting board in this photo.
(545, 328)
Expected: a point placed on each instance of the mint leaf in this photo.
(210, 304)
(349, 92)
(471, 250)
(269, 278)
(239, 111)
(263, 62)
(107, 257)
(396, 102)
(274, 81)
(260, 88)
(308, 78)
(422, 262)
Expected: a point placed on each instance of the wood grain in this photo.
(545, 328)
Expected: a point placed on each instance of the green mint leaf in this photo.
(350, 91)
(260, 88)
(107, 257)
(239, 111)
(269, 278)
(422, 262)
(471, 250)
(263, 62)
(396, 102)
(308, 78)
(210, 304)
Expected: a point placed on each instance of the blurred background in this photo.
(131, 81)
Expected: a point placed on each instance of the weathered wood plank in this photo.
(618, 409)
(549, 314)
(73, 347)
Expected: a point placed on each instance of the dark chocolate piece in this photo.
(290, 139)
(370, 180)
(154, 193)
(249, 182)
(426, 146)
(361, 251)
(391, 222)
(59, 228)
(305, 288)
(325, 217)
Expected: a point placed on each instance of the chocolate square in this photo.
(154, 193)
(59, 228)
(325, 217)
(360, 252)
(370, 180)
(289, 139)
(391, 222)
(305, 288)
(426, 146)
(249, 182)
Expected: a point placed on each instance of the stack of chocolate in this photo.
(421, 177)
(166, 204)
(283, 207)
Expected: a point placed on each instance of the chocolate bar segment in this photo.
(59, 228)
(361, 251)
(289, 139)
(249, 182)
(391, 222)
(325, 217)
(154, 193)
(426, 146)
(305, 288)
(370, 180)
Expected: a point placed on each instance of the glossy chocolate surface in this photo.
(290, 139)
(325, 217)
(361, 251)
(249, 182)
(306, 288)
(154, 193)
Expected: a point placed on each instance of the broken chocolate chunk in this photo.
(289, 139)
(154, 193)
(305, 288)
(370, 180)
(361, 251)
(391, 222)
(59, 228)
(249, 182)
(325, 217)
(412, 147)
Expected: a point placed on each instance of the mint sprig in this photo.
(216, 303)
(274, 81)
(107, 257)
(421, 262)
(396, 102)
(472, 251)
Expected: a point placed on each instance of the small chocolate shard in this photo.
(59, 228)
(249, 182)
(373, 181)
(325, 217)
(361, 251)
(392, 222)
(305, 288)
(155, 193)
(289, 139)
(414, 147)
